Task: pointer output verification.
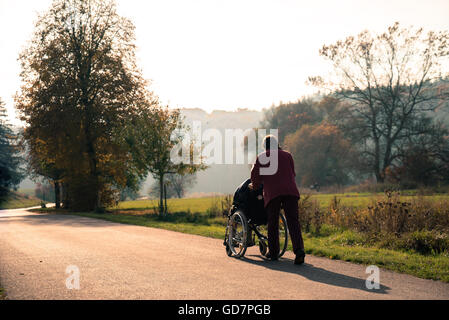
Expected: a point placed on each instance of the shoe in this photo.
(300, 255)
(270, 258)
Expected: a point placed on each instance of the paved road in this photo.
(119, 261)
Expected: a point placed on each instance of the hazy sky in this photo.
(228, 54)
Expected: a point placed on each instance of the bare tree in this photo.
(158, 132)
(178, 183)
(390, 83)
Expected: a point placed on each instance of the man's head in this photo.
(270, 142)
(269, 160)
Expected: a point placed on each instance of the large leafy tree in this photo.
(81, 87)
(322, 155)
(390, 84)
(289, 117)
(10, 172)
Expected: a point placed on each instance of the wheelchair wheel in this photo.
(283, 237)
(237, 231)
(228, 250)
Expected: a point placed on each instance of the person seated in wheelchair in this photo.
(252, 204)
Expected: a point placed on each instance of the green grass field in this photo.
(201, 205)
(358, 200)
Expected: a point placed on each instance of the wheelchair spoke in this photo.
(237, 233)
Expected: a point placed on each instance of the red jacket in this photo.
(281, 183)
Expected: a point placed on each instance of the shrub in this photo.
(306, 211)
(423, 242)
(349, 238)
(226, 204)
(388, 215)
(421, 224)
(426, 242)
(220, 206)
(214, 209)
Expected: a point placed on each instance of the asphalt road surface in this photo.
(117, 261)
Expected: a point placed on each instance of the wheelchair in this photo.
(237, 229)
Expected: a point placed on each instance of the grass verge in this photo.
(2, 294)
(332, 243)
(17, 200)
(434, 266)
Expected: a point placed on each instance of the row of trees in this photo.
(93, 126)
(381, 114)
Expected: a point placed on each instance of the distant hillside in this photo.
(220, 119)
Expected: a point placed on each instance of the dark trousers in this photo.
(290, 205)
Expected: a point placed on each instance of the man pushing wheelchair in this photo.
(274, 170)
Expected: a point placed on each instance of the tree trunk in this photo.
(161, 194)
(96, 204)
(387, 158)
(57, 195)
(377, 171)
(165, 198)
(65, 196)
(379, 177)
